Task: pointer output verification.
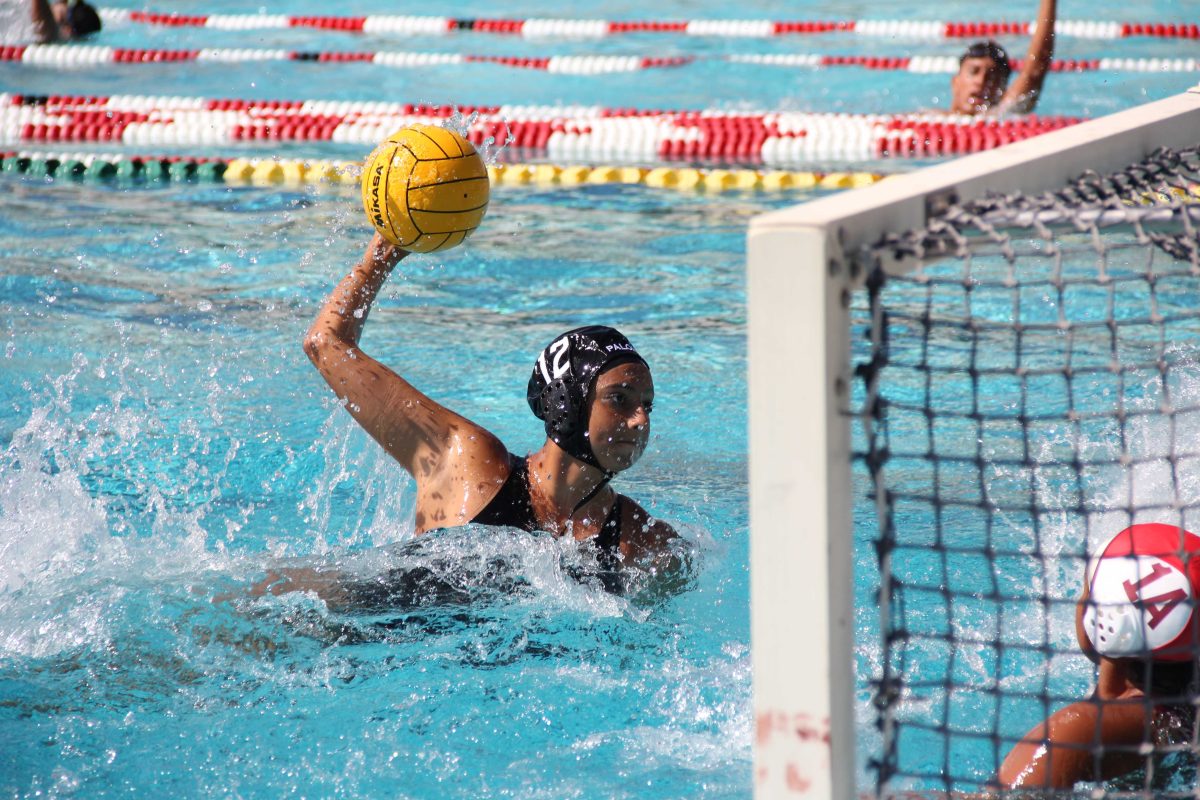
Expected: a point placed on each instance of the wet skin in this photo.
(977, 86)
(619, 419)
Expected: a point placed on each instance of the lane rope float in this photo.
(597, 28)
(555, 133)
(58, 56)
(300, 172)
(75, 56)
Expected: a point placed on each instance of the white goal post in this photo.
(801, 274)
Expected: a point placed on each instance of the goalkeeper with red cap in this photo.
(1137, 620)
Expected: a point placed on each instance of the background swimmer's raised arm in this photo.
(1024, 92)
(455, 463)
(45, 27)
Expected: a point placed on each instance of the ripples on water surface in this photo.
(165, 442)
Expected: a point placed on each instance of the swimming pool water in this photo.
(706, 83)
(163, 442)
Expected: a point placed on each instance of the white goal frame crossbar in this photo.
(801, 271)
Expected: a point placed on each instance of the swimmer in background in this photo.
(24, 22)
(591, 388)
(981, 85)
(1137, 621)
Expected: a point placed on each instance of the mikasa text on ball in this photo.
(425, 188)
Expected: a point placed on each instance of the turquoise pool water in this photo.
(163, 442)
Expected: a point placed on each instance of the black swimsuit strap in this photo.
(608, 540)
(595, 491)
(513, 507)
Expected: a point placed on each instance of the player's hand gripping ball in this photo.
(425, 188)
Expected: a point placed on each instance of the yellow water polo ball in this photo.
(425, 188)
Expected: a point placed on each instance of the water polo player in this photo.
(981, 84)
(1137, 620)
(590, 387)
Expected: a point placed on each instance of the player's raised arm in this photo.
(1023, 93)
(424, 189)
(412, 428)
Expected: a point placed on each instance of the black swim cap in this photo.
(562, 378)
(995, 52)
(82, 18)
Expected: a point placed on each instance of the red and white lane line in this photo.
(558, 133)
(268, 108)
(949, 64)
(370, 108)
(597, 29)
(72, 56)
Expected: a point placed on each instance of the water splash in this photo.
(192, 452)
(489, 149)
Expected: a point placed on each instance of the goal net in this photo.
(963, 383)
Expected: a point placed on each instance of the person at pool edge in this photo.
(24, 22)
(1136, 619)
(591, 388)
(981, 85)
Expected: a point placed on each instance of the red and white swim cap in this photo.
(1143, 586)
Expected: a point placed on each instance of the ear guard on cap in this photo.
(555, 408)
(1114, 630)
